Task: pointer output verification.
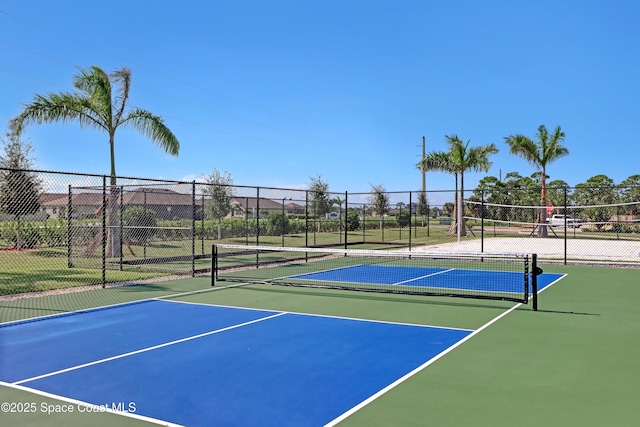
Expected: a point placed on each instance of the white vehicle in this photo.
(558, 221)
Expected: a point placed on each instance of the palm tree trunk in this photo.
(114, 246)
(463, 228)
(454, 214)
(453, 229)
(542, 216)
(114, 239)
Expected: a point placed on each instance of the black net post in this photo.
(535, 272)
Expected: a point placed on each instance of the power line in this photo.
(164, 115)
(207, 109)
(144, 67)
(223, 131)
(53, 58)
(32, 78)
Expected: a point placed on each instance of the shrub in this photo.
(139, 225)
(353, 221)
(403, 218)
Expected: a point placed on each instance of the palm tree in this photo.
(544, 150)
(459, 159)
(99, 103)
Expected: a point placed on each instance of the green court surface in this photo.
(572, 363)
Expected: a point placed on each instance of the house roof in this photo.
(252, 203)
(153, 196)
(156, 197)
(292, 206)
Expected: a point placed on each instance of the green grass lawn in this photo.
(47, 268)
(34, 271)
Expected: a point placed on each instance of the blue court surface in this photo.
(205, 365)
(430, 277)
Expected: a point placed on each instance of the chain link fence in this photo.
(61, 230)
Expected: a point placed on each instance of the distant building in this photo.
(249, 206)
(167, 204)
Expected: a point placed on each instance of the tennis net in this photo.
(470, 275)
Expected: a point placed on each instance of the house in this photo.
(249, 206)
(167, 204)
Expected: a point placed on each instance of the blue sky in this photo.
(277, 92)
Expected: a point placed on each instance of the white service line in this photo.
(103, 307)
(84, 365)
(423, 277)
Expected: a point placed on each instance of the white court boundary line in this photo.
(415, 371)
(120, 304)
(328, 316)
(76, 402)
(143, 350)
(16, 385)
(429, 362)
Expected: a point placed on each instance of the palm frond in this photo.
(524, 147)
(122, 80)
(95, 84)
(56, 107)
(154, 128)
(439, 161)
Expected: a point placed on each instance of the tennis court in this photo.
(186, 353)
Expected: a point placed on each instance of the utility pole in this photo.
(424, 173)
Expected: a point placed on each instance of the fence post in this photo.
(144, 206)
(193, 228)
(257, 225)
(246, 221)
(535, 272)
(346, 217)
(306, 218)
(202, 223)
(481, 220)
(69, 233)
(428, 217)
(104, 230)
(121, 225)
(214, 263)
(410, 219)
(565, 226)
(257, 217)
(364, 223)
